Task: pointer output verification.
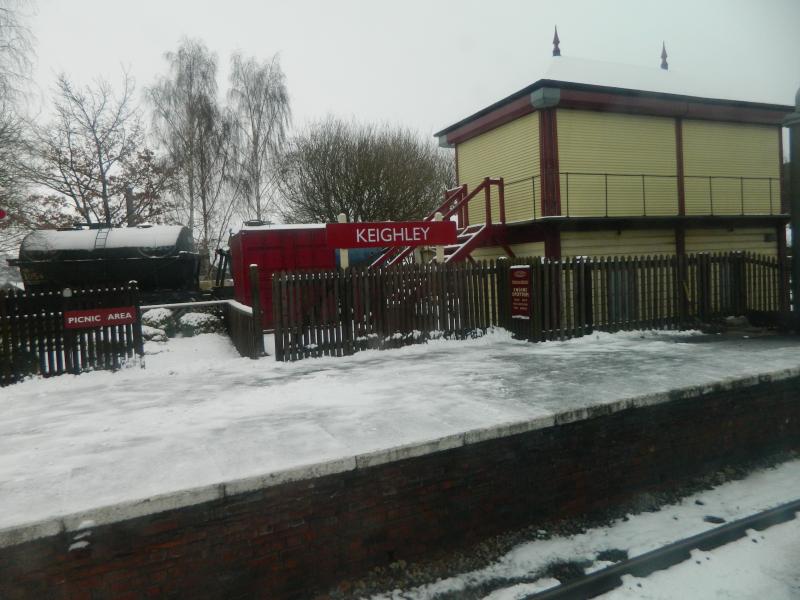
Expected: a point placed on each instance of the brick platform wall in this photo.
(294, 539)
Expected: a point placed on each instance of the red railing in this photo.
(456, 202)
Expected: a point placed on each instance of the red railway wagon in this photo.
(276, 248)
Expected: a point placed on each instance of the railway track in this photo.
(605, 580)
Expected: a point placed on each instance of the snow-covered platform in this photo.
(199, 415)
(241, 477)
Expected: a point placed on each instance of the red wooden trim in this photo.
(604, 101)
(458, 180)
(501, 199)
(552, 243)
(542, 165)
(548, 158)
(679, 165)
(556, 168)
(487, 199)
(499, 116)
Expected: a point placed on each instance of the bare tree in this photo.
(195, 133)
(16, 49)
(96, 134)
(369, 173)
(16, 60)
(259, 104)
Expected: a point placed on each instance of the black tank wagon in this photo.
(161, 258)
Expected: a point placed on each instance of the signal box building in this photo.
(599, 159)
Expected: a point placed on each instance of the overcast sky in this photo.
(423, 64)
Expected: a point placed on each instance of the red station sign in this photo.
(521, 292)
(99, 317)
(2, 214)
(379, 235)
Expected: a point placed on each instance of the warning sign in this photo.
(521, 292)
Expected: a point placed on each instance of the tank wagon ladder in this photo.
(456, 203)
(101, 237)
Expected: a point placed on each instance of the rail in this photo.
(607, 579)
(584, 194)
(456, 202)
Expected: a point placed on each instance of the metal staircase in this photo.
(470, 237)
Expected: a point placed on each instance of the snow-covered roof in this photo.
(282, 226)
(156, 236)
(647, 79)
(566, 72)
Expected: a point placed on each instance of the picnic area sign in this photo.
(384, 234)
(521, 292)
(99, 317)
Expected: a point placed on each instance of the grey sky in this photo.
(424, 64)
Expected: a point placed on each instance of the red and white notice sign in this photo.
(99, 317)
(521, 292)
(379, 235)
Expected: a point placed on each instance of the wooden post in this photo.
(439, 249)
(344, 254)
(138, 339)
(487, 198)
(501, 199)
(255, 295)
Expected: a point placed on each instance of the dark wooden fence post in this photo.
(255, 293)
(138, 339)
(277, 315)
(587, 310)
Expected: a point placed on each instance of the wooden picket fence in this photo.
(33, 339)
(335, 313)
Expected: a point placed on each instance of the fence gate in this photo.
(51, 333)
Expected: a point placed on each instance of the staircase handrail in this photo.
(392, 256)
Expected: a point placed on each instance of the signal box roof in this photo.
(596, 85)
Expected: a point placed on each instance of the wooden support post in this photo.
(487, 195)
(255, 292)
(501, 199)
(138, 339)
(344, 255)
(439, 249)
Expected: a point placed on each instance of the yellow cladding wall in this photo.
(722, 240)
(728, 152)
(633, 242)
(519, 250)
(596, 143)
(510, 151)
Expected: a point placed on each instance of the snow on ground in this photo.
(762, 565)
(198, 414)
(773, 568)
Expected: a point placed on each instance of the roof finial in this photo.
(664, 63)
(556, 41)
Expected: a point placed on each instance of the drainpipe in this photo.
(793, 123)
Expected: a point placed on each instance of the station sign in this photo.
(383, 234)
(99, 317)
(2, 214)
(521, 292)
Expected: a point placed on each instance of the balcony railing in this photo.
(627, 195)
